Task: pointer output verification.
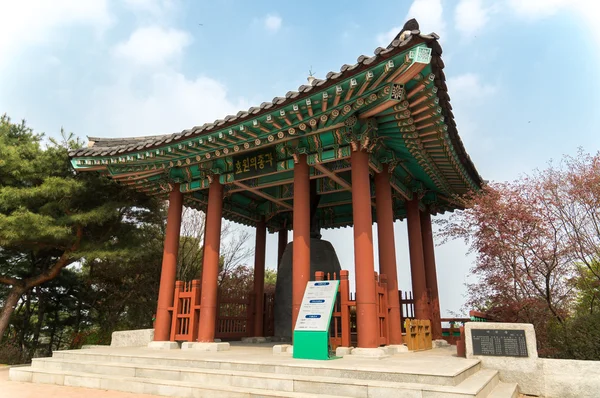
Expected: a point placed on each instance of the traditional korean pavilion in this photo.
(374, 142)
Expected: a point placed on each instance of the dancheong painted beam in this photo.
(393, 105)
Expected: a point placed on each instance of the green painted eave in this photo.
(414, 140)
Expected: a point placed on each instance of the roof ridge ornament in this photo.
(410, 27)
(311, 77)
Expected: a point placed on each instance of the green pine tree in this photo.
(59, 216)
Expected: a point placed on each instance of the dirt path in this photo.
(15, 389)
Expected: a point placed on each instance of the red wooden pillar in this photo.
(431, 275)
(210, 265)
(364, 263)
(301, 223)
(387, 250)
(166, 290)
(417, 262)
(259, 276)
(281, 245)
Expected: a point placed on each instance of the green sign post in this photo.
(311, 332)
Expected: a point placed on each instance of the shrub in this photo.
(577, 338)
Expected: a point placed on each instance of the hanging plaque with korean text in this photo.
(254, 163)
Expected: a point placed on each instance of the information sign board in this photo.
(311, 331)
(317, 306)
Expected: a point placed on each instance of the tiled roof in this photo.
(409, 35)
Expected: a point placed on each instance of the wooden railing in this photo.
(407, 307)
(269, 315)
(343, 328)
(382, 308)
(235, 318)
(478, 316)
(452, 333)
(456, 333)
(185, 311)
(235, 313)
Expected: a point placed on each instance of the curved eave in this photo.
(432, 160)
(124, 146)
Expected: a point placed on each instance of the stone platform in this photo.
(253, 371)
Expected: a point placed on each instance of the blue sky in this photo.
(521, 74)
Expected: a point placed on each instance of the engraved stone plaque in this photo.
(499, 343)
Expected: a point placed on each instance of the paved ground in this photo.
(15, 389)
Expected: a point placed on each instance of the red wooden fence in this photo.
(343, 330)
(407, 307)
(235, 313)
(382, 308)
(235, 318)
(269, 315)
(185, 311)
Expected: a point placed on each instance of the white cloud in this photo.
(169, 103)
(160, 99)
(587, 10)
(153, 10)
(152, 6)
(468, 87)
(467, 94)
(26, 23)
(428, 14)
(384, 39)
(470, 16)
(152, 46)
(537, 9)
(272, 22)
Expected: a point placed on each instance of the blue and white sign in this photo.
(317, 306)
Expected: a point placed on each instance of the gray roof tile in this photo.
(120, 145)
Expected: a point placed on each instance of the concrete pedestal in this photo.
(371, 353)
(279, 349)
(163, 345)
(212, 347)
(132, 338)
(397, 348)
(343, 351)
(254, 340)
(439, 343)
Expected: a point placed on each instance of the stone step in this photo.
(475, 386)
(338, 369)
(505, 390)
(481, 383)
(169, 388)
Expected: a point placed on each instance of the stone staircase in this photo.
(187, 375)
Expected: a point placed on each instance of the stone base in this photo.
(281, 349)
(396, 348)
(373, 353)
(163, 345)
(213, 347)
(92, 346)
(439, 343)
(254, 340)
(342, 351)
(132, 338)
(279, 339)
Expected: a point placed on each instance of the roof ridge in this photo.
(399, 41)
